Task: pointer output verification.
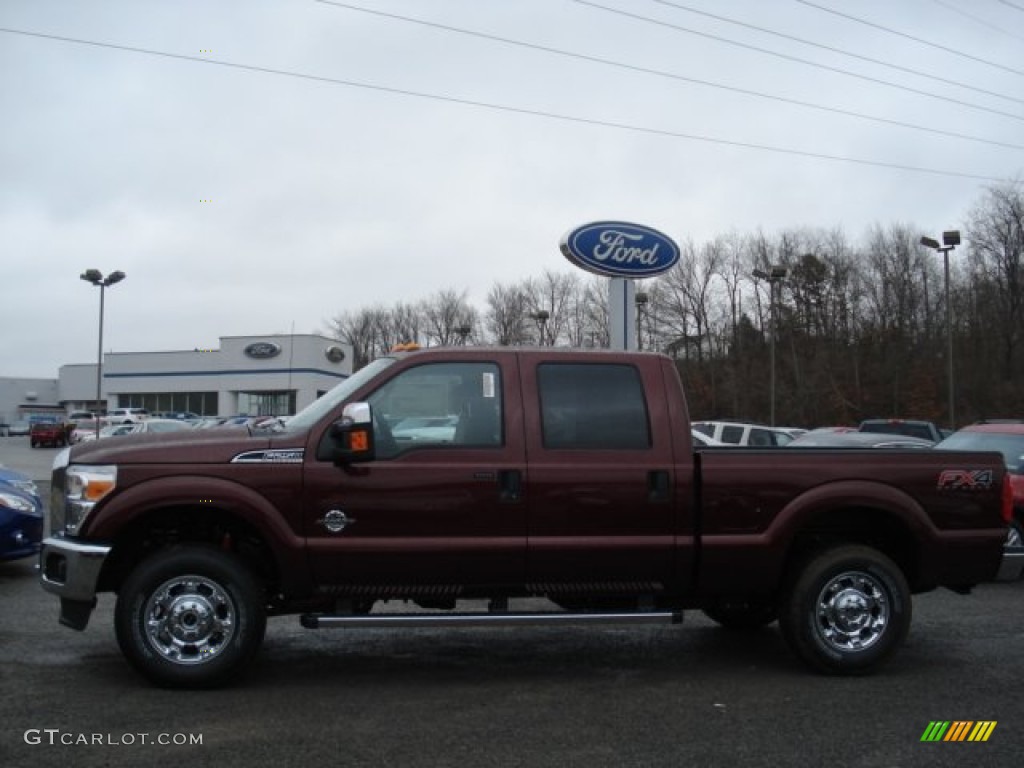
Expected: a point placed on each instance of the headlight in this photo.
(27, 486)
(17, 503)
(84, 487)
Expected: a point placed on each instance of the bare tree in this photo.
(444, 314)
(552, 293)
(507, 315)
(996, 233)
(356, 328)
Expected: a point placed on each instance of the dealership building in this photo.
(254, 375)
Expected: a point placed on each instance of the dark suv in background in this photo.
(926, 430)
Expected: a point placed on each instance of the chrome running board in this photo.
(389, 620)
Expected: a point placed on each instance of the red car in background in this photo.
(1007, 438)
(48, 433)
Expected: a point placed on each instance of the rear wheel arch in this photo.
(869, 526)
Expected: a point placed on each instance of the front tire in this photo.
(847, 610)
(190, 617)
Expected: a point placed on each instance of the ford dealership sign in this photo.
(620, 249)
(263, 350)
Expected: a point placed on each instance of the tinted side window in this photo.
(761, 438)
(592, 406)
(457, 404)
(732, 435)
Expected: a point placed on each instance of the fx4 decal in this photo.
(965, 480)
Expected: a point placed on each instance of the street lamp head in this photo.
(541, 315)
(641, 299)
(930, 242)
(114, 277)
(779, 272)
(760, 274)
(93, 276)
(951, 237)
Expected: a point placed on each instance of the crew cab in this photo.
(568, 490)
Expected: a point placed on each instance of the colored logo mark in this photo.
(958, 730)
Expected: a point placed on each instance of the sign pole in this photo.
(622, 313)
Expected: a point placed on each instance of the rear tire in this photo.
(190, 617)
(846, 611)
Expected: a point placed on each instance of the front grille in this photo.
(57, 501)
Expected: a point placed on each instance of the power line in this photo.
(797, 59)
(977, 19)
(840, 51)
(1011, 5)
(904, 35)
(508, 109)
(670, 75)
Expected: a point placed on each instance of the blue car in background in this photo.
(21, 516)
(21, 482)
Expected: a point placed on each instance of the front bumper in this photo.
(1012, 566)
(71, 570)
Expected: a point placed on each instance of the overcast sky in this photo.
(339, 163)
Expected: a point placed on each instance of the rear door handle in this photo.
(510, 484)
(659, 486)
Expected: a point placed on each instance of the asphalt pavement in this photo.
(596, 696)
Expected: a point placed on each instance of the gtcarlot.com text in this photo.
(55, 737)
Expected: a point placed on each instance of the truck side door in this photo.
(442, 502)
(602, 480)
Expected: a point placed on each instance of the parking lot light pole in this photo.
(950, 240)
(96, 277)
(776, 275)
(641, 299)
(541, 316)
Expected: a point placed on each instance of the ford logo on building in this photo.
(619, 249)
(262, 350)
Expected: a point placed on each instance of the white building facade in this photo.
(274, 375)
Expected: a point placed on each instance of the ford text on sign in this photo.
(620, 249)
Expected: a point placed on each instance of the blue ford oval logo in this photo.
(620, 249)
(261, 350)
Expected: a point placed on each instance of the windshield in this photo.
(1011, 446)
(319, 408)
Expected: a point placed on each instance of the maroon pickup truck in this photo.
(546, 485)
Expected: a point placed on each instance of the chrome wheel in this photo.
(189, 620)
(846, 609)
(853, 611)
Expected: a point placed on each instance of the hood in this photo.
(202, 446)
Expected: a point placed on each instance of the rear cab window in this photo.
(592, 406)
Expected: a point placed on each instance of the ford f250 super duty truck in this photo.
(501, 475)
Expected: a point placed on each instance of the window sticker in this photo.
(488, 385)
